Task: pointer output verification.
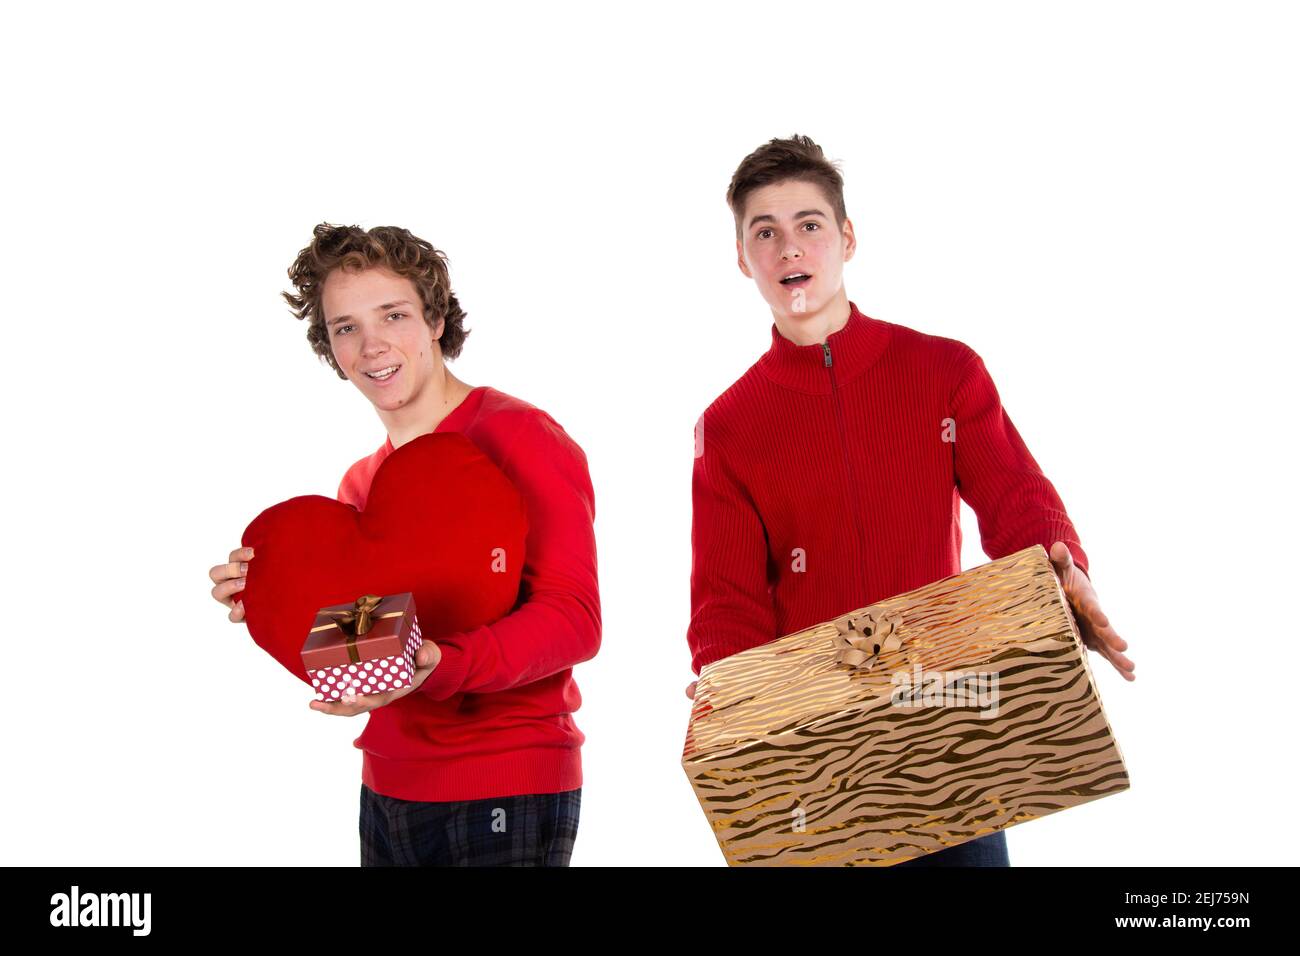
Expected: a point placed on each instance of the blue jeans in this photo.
(988, 850)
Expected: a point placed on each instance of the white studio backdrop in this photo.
(1098, 198)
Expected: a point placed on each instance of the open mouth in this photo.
(797, 278)
(384, 374)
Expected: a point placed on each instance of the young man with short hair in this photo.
(830, 475)
(477, 762)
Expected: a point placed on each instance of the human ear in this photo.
(850, 240)
(740, 259)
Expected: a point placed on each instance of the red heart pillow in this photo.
(441, 521)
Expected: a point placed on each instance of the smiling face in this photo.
(788, 229)
(376, 321)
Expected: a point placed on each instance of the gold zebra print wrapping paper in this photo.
(978, 712)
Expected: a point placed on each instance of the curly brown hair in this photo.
(781, 160)
(353, 248)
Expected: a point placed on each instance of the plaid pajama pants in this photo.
(531, 829)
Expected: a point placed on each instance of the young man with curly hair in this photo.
(830, 475)
(485, 730)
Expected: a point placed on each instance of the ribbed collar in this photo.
(853, 349)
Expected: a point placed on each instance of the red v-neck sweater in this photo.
(829, 477)
(495, 717)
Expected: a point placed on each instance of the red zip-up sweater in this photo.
(495, 717)
(830, 477)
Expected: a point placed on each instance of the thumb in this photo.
(428, 654)
(1062, 560)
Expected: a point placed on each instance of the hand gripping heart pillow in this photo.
(441, 521)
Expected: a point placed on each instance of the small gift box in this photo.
(365, 647)
(919, 723)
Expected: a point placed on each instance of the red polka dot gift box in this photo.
(366, 647)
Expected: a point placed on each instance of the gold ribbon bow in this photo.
(863, 637)
(356, 621)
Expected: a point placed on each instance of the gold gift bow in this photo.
(864, 637)
(356, 621)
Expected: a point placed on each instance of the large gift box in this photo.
(918, 723)
(366, 646)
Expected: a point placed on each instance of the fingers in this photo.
(1096, 621)
(1092, 619)
(351, 706)
(237, 565)
(339, 708)
(1107, 634)
(1106, 649)
(223, 572)
(236, 614)
(225, 591)
(332, 708)
(228, 579)
(1118, 661)
(690, 689)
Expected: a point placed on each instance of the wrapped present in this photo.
(365, 647)
(926, 720)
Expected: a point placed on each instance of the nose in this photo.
(372, 344)
(791, 252)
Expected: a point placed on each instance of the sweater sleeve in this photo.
(1016, 505)
(557, 624)
(731, 604)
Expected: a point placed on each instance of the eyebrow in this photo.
(379, 308)
(799, 215)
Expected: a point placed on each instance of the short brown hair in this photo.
(781, 160)
(354, 249)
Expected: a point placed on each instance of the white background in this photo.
(1099, 198)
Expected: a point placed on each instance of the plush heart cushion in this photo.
(441, 521)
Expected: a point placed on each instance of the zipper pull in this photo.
(827, 349)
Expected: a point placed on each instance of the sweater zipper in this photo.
(848, 470)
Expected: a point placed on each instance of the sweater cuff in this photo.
(449, 676)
